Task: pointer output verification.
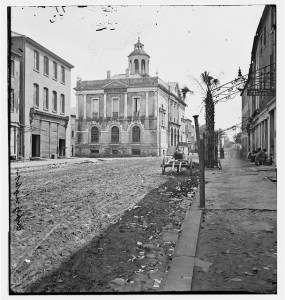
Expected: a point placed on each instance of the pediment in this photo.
(115, 84)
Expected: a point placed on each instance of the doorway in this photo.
(61, 145)
(35, 145)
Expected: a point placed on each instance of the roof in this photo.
(138, 52)
(31, 41)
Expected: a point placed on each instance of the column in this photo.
(84, 107)
(105, 105)
(146, 104)
(155, 104)
(126, 106)
(77, 106)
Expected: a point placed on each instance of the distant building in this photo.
(259, 93)
(45, 87)
(131, 114)
(191, 135)
(15, 121)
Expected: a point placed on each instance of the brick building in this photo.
(45, 87)
(259, 93)
(129, 114)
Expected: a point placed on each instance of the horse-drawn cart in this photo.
(179, 164)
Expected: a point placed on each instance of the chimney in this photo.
(127, 73)
(108, 74)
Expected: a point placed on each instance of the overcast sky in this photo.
(182, 41)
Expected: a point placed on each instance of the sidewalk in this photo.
(235, 248)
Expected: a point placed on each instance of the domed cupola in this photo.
(139, 60)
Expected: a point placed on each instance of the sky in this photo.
(182, 41)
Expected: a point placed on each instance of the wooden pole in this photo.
(202, 172)
(197, 133)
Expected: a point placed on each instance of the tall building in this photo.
(259, 93)
(129, 114)
(15, 121)
(45, 102)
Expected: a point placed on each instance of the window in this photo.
(136, 105)
(143, 66)
(72, 134)
(36, 95)
(12, 101)
(95, 107)
(62, 104)
(115, 134)
(45, 98)
(136, 152)
(94, 134)
(54, 101)
(36, 60)
(46, 65)
(136, 133)
(62, 74)
(136, 66)
(54, 70)
(12, 68)
(95, 151)
(171, 136)
(115, 107)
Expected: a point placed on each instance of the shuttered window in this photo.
(36, 95)
(136, 132)
(54, 101)
(45, 98)
(115, 134)
(94, 135)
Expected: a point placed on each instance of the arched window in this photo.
(115, 134)
(143, 66)
(136, 134)
(94, 134)
(175, 137)
(171, 136)
(136, 66)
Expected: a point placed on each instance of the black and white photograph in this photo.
(141, 148)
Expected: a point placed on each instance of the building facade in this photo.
(191, 136)
(131, 114)
(15, 128)
(259, 93)
(45, 90)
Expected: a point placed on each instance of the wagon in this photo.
(172, 163)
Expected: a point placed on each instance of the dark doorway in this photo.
(61, 145)
(35, 145)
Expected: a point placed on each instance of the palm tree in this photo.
(184, 91)
(210, 83)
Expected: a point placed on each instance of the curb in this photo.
(180, 274)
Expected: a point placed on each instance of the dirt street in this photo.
(87, 224)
